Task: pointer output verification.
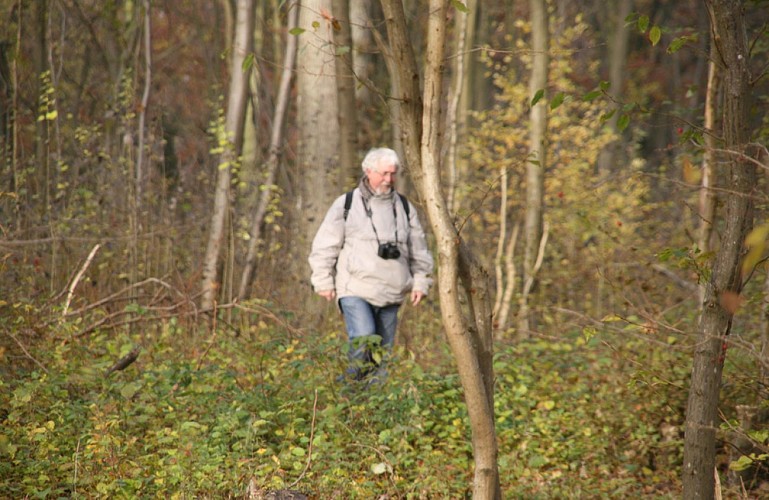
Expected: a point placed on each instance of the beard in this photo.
(383, 188)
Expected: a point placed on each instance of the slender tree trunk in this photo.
(452, 115)
(707, 205)
(535, 166)
(236, 108)
(469, 336)
(347, 113)
(610, 156)
(725, 284)
(276, 140)
(40, 184)
(468, 91)
(363, 46)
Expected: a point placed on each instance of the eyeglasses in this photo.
(386, 174)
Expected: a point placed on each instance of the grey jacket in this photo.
(344, 252)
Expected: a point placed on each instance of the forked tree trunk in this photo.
(469, 334)
(236, 109)
(271, 167)
(725, 284)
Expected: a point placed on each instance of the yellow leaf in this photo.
(756, 242)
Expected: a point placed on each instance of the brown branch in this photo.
(125, 361)
(18, 342)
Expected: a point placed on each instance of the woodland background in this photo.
(114, 119)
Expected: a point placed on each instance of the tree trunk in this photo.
(233, 128)
(318, 149)
(276, 140)
(707, 205)
(725, 284)
(618, 52)
(362, 61)
(535, 166)
(468, 335)
(347, 113)
(709, 182)
(469, 92)
(41, 181)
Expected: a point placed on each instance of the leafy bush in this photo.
(203, 417)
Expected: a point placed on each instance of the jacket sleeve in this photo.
(326, 246)
(420, 258)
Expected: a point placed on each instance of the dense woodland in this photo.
(593, 179)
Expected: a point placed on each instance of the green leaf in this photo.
(592, 96)
(296, 31)
(537, 96)
(381, 468)
(741, 463)
(655, 34)
(461, 7)
(557, 100)
(342, 50)
(676, 44)
(129, 390)
(756, 243)
(623, 122)
(248, 62)
(643, 23)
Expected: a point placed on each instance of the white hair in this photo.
(378, 156)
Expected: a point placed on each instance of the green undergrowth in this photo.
(203, 416)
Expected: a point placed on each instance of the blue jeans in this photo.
(371, 333)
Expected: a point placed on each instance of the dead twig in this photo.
(78, 277)
(30, 356)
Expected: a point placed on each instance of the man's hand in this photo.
(416, 297)
(327, 294)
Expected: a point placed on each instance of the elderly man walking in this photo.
(370, 254)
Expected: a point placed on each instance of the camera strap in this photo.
(370, 218)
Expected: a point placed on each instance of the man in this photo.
(371, 256)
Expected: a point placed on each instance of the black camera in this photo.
(388, 251)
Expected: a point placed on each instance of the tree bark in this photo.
(469, 335)
(618, 52)
(707, 205)
(233, 127)
(535, 166)
(347, 113)
(722, 290)
(320, 174)
(276, 140)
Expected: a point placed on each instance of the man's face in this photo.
(382, 178)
